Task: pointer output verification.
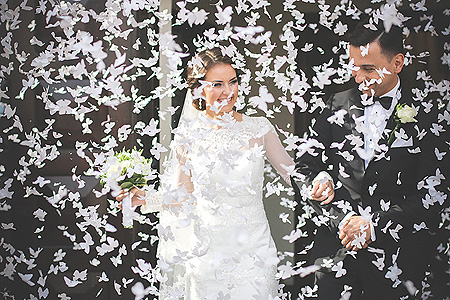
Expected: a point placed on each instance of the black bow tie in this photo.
(385, 101)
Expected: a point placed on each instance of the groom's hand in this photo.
(356, 233)
(323, 191)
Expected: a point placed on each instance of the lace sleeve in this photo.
(153, 201)
(277, 155)
(176, 174)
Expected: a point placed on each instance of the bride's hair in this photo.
(199, 65)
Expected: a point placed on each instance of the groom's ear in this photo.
(399, 61)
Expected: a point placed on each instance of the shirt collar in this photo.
(394, 94)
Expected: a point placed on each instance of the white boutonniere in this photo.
(403, 114)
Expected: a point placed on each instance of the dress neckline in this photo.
(225, 122)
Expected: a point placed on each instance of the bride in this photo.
(214, 235)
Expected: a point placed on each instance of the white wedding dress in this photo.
(218, 245)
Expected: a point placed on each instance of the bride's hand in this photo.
(138, 196)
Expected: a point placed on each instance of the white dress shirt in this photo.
(375, 120)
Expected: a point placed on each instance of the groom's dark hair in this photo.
(391, 42)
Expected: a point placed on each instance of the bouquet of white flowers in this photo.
(126, 170)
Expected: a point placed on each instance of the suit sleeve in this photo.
(313, 157)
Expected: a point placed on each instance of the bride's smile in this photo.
(221, 93)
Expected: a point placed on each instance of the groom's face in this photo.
(375, 71)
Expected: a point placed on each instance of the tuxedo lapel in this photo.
(356, 110)
(391, 123)
(388, 130)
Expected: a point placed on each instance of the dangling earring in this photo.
(200, 104)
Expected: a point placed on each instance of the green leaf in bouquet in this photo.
(126, 185)
(134, 156)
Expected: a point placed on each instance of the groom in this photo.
(378, 179)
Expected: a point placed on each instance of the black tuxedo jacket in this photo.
(405, 187)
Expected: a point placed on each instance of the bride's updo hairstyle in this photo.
(199, 65)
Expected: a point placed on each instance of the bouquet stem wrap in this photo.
(127, 212)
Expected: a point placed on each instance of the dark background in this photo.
(33, 115)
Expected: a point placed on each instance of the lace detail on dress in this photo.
(223, 246)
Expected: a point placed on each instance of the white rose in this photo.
(406, 114)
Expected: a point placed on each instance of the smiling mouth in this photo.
(226, 100)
